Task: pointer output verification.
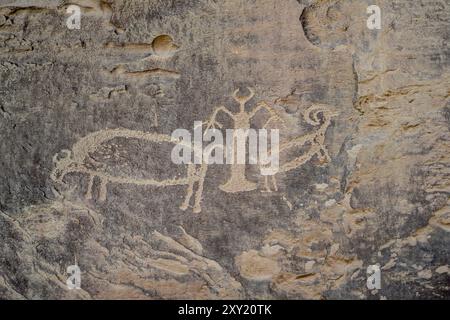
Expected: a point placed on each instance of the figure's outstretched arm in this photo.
(223, 109)
(212, 121)
(265, 106)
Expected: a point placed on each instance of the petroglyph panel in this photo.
(86, 117)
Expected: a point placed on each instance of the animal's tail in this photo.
(61, 161)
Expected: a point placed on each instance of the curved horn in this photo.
(312, 119)
(243, 99)
(66, 152)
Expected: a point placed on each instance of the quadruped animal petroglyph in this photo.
(79, 159)
(313, 142)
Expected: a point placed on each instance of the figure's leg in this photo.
(199, 192)
(190, 189)
(325, 151)
(266, 184)
(88, 195)
(274, 183)
(323, 155)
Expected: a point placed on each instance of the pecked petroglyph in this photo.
(79, 160)
(241, 120)
(315, 143)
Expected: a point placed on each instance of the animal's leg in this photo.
(103, 190)
(266, 184)
(190, 189)
(323, 155)
(274, 183)
(89, 189)
(199, 192)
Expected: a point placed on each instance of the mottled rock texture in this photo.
(149, 67)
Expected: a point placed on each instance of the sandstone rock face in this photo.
(87, 178)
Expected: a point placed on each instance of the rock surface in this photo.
(86, 180)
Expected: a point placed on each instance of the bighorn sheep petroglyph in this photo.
(79, 160)
(313, 142)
